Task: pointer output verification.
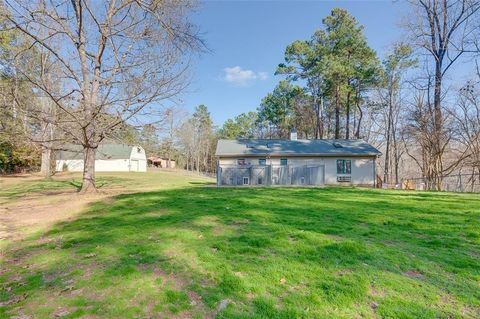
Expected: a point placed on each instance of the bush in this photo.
(17, 158)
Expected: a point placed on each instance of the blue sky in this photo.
(247, 40)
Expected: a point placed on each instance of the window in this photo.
(139, 150)
(246, 181)
(283, 162)
(260, 181)
(302, 180)
(262, 161)
(241, 161)
(344, 167)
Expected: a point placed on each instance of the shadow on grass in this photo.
(49, 186)
(202, 183)
(276, 253)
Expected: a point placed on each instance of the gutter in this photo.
(301, 155)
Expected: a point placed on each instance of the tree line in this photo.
(80, 71)
(85, 72)
(407, 103)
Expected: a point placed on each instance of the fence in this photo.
(270, 175)
(465, 183)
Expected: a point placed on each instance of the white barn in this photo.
(296, 162)
(108, 158)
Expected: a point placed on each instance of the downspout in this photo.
(269, 170)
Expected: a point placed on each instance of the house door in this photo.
(315, 175)
(134, 166)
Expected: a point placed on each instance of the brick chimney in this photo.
(293, 135)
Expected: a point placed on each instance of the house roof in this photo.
(104, 152)
(159, 158)
(334, 147)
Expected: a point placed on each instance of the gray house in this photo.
(295, 162)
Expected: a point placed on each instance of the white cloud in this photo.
(237, 76)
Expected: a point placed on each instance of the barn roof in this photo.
(260, 147)
(104, 152)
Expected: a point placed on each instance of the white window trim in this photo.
(336, 166)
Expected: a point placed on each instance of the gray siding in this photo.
(299, 171)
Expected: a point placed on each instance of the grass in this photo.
(63, 182)
(186, 251)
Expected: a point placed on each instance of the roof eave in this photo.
(299, 155)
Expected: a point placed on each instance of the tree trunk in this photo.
(88, 181)
(437, 99)
(46, 164)
(198, 164)
(396, 170)
(48, 134)
(347, 125)
(386, 177)
(438, 126)
(318, 118)
(337, 114)
(360, 116)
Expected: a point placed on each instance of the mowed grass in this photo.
(202, 252)
(12, 188)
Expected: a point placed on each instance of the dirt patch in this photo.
(344, 272)
(413, 274)
(23, 217)
(173, 281)
(390, 243)
(376, 292)
(156, 213)
(18, 219)
(240, 222)
(334, 237)
(61, 312)
(169, 279)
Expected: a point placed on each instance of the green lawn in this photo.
(190, 251)
(26, 186)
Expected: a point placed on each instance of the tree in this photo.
(149, 139)
(338, 66)
(395, 66)
(302, 62)
(118, 60)
(242, 126)
(444, 30)
(17, 150)
(171, 125)
(203, 137)
(467, 127)
(350, 63)
(277, 107)
(196, 139)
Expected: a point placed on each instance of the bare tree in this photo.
(445, 29)
(173, 116)
(396, 65)
(467, 127)
(119, 59)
